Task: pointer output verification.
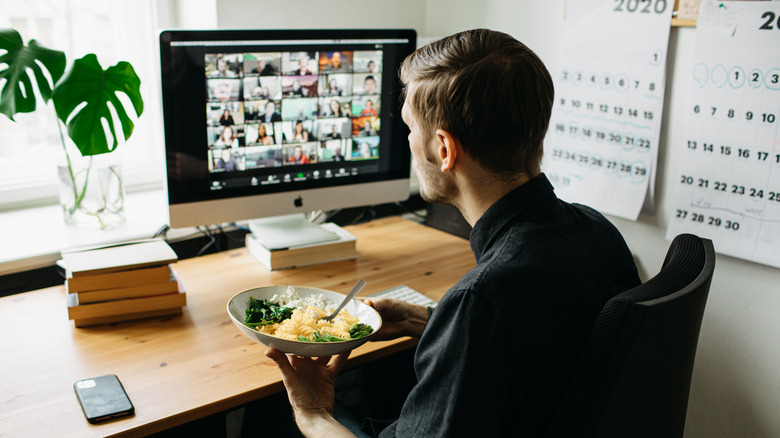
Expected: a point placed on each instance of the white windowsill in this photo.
(34, 237)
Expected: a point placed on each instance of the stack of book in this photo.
(343, 246)
(122, 282)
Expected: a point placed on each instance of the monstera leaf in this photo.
(17, 94)
(83, 97)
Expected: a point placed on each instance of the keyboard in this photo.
(407, 294)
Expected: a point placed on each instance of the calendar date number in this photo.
(734, 189)
(709, 220)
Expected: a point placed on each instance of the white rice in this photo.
(292, 299)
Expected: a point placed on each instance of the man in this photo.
(369, 85)
(335, 64)
(495, 355)
(270, 114)
(222, 70)
(298, 156)
(264, 68)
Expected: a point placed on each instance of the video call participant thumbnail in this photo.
(299, 63)
(270, 112)
(367, 84)
(299, 86)
(305, 153)
(223, 90)
(262, 87)
(263, 64)
(365, 126)
(367, 61)
(336, 62)
(333, 150)
(334, 107)
(228, 160)
(223, 66)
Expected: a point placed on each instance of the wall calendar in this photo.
(602, 143)
(728, 180)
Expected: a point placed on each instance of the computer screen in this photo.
(268, 122)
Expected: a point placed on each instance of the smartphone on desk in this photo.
(103, 398)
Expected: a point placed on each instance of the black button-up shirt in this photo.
(499, 348)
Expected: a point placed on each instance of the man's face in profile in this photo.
(435, 185)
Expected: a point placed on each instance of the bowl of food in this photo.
(289, 319)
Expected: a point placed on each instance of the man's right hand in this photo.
(399, 318)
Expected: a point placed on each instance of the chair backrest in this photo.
(634, 374)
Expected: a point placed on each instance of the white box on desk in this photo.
(344, 248)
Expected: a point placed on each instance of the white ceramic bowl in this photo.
(237, 306)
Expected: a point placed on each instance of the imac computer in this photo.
(265, 123)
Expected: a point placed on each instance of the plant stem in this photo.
(78, 197)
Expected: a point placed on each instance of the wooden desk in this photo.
(183, 368)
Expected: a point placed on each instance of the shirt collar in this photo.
(507, 210)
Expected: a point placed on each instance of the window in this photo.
(115, 31)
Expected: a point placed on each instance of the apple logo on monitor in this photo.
(298, 202)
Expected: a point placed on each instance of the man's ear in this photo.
(448, 149)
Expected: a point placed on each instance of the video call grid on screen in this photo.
(275, 108)
(265, 111)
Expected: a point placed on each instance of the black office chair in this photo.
(634, 374)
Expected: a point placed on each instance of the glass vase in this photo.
(92, 193)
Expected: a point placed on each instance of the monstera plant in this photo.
(83, 99)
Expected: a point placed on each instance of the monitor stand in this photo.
(288, 231)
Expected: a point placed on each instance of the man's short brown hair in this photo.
(487, 89)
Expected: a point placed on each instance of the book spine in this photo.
(122, 307)
(85, 322)
(128, 278)
(128, 292)
(116, 258)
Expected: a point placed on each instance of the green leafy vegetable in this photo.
(263, 312)
(360, 330)
(324, 337)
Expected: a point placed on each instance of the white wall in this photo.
(736, 389)
(313, 14)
